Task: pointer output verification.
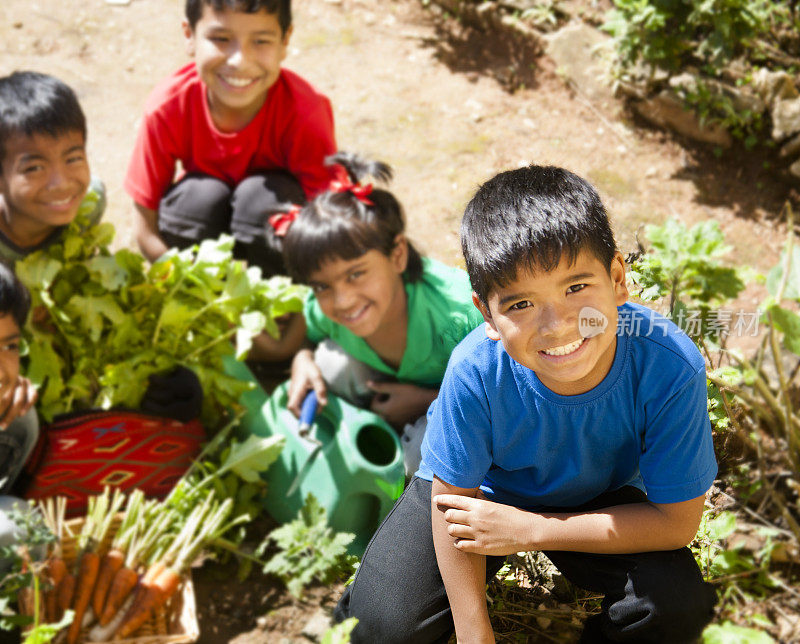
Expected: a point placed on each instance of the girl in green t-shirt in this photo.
(385, 318)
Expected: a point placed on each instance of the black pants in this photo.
(201, 207)
(398, 594)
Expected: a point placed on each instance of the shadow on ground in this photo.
(745, 181)
(511, 60)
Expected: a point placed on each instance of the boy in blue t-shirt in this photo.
(572, 422)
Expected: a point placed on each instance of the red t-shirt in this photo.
(293, 131)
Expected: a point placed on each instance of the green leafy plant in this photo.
(752, 399)
(308, 549)
(721, 563)
(339, 634)
(102, 322)
(729, 633)
(661, 38)
(25, 559)
(43, 633)
(232, 470)
(685, 269)
(669, 35)
(718, 108)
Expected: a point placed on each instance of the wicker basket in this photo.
(176, 623)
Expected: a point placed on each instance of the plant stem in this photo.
(215, 341)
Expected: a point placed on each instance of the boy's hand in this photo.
(305, 375)
(485, 527)
(16, 401)
(399, 403)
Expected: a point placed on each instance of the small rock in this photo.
(785, 118)
(667, 110)
(772, 86)
(316, 626)
(581, 52)
(262, 622)
(794, 169)
(651, 172)
(17, 25)
(791, 148)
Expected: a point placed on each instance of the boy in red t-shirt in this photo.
(250, 137)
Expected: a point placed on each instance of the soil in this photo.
(446, 106)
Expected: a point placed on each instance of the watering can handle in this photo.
(307, 411)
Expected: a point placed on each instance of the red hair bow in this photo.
(282, 220)
(359, 192)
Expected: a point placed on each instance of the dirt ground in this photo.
(431, 98)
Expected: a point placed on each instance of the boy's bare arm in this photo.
(145, 228)
(496, 529)
(464, 574)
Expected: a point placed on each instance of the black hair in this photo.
(14, 297)
(282, 9)
(529, 218)
(340, 225)
(33, 103)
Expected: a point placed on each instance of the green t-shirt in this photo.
(440, 315)
(93, 204)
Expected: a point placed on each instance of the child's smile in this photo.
(366, 295)
(9, 359)
(537, 318)
(238, 56)
(45, 179)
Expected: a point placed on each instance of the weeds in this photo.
(750, 553)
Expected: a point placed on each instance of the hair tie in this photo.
(282, 220)
(356, 189)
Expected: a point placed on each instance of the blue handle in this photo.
(308, 410)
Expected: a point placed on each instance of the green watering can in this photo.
(348, 458)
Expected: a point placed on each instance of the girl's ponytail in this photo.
(358, 167)
(348, 220)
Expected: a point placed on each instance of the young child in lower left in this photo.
(19, 425)
(44, 170)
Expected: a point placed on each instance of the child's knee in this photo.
(665, 599)
(197, 207)
(259, 196)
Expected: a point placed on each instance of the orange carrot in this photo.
(122, 585)
(56, 570)
(145, 583)
(65, 592)
(155, 595)
(111, 563)
(87, 576)
(25, 601)
(153, 573)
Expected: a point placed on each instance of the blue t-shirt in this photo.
(495, 425)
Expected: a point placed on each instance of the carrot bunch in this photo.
(117, 583)
(101, 513)
(163, 577)
(59, 583)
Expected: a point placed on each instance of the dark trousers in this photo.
(201, 207)
(398, 595)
